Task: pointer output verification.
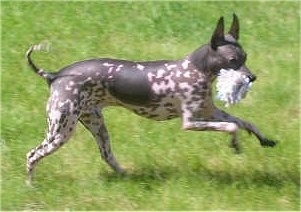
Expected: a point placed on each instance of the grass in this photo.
(168, 169)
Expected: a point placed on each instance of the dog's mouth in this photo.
(232, 86)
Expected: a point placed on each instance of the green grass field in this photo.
(168, 169)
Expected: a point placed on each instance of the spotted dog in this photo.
(158, 90)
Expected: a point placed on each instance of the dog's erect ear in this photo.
(234, 30)
(218, 34)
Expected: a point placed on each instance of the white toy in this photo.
(232, 86)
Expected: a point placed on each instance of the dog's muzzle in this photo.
(232, 86)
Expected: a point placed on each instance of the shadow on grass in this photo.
(146, 174)
(239, 178)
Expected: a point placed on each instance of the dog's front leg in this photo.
(199, 124)
(250, 128)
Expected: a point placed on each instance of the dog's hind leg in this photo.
(94, 122)
(61, 124)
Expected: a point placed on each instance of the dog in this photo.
(158, 90)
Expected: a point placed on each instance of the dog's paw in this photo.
(121, 171)
(268, 143)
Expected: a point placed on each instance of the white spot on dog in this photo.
(88, 79)
(178, 73)
(75, 91)
(140, 67)
(156, 87)
(110, 70)
(170, 67)
(185, 86)
(150, 76)
(160, 73)
(119, 68)
(186, 74)
(68, 88)
(185, 64)
(108, 64)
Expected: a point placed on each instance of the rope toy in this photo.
(232, 86)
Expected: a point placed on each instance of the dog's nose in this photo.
(252, 77)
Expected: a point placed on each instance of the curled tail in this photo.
(39, 47)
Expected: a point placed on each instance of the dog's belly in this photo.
(165, 109)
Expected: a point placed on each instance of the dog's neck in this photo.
(204, 61)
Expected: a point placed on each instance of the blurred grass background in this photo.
(168, 169)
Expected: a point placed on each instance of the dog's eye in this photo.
(233, 60)
(234, 63)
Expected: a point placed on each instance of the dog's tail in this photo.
(39, 47)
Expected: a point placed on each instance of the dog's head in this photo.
(223, 52)
(234, 78)
(225, 58)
